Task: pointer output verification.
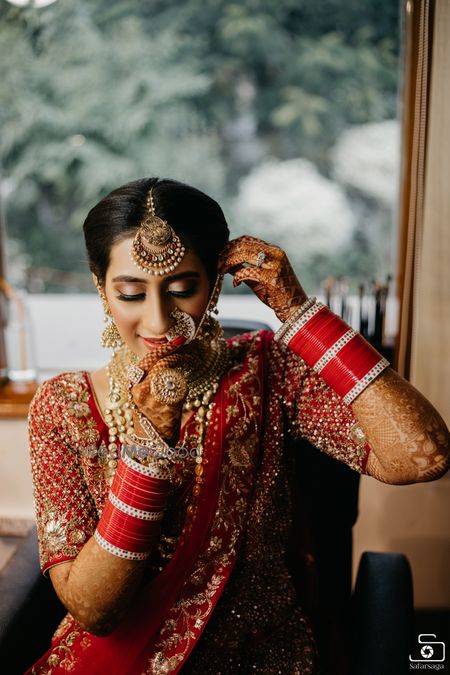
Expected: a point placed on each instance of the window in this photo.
(285, 112)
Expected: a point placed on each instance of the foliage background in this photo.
(236, 99)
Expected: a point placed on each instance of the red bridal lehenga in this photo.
(219, 598)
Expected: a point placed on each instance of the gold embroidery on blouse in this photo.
(315, 412)
(61, 425)
(74, 392)
(58, 533)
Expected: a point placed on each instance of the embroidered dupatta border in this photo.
(241, 419)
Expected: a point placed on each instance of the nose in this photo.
(156, 319)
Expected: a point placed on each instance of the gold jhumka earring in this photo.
(111, 338)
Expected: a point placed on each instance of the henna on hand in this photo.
(265, 268)
(409, 439)
(164, 416)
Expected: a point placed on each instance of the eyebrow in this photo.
(169, 278)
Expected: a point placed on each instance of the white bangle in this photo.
(294, 317)
(119, 552)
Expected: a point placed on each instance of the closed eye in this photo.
(183, 294)
(130, 298)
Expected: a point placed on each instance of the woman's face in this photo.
(141, 303)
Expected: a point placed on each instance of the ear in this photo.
(100, 288)
(97, 283)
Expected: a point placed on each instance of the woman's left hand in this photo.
(266, 269)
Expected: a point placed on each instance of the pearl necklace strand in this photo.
(119, 418)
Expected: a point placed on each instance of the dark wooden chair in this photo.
(370, 631)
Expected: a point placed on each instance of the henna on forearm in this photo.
(97, 588)
(409, 439)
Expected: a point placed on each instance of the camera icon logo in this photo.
(431, 650)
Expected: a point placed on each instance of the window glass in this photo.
(284, 111)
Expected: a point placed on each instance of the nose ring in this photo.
(184, 325)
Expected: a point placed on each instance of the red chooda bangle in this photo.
(131, 518)
(346, 361)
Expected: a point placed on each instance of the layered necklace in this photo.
(202, 377)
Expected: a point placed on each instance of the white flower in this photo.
(291, 204)
(367, 158)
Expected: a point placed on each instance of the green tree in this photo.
(97, 93)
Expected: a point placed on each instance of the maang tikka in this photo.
(156, 249)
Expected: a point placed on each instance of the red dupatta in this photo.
(171, 611)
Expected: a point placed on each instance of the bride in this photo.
(162, 482)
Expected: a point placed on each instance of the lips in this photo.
(154, 342)
(158, 340)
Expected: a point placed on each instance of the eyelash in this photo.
(141, 296)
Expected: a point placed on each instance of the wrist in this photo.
(294, 314)
(286, 314)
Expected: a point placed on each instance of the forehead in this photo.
(121, 263)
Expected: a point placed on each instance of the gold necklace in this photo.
(210, 362)
(118, 414)
(204, 375)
